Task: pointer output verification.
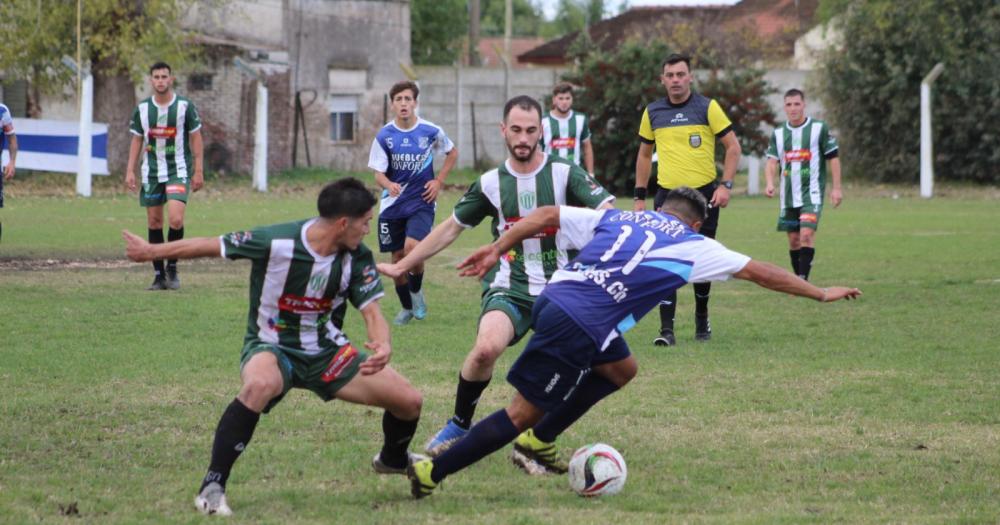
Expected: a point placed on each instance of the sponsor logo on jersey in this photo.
(548, 231)
(798, 155)
(297, 304)
(176, 189)
(238, 238)
(162, 132)
(564, 143)
(808, 217)
(544, 256)
(341, 360)
(678, 118)
(695, 140)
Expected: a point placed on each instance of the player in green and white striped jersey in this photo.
(528, 180)
(303, 275)
(566, 133)
(167, 128)
(802, 147)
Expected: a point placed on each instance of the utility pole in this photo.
(474, 59)
(508, 21)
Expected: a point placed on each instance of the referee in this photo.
(683, 129)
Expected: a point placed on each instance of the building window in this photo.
(200, 82)
(343, 112)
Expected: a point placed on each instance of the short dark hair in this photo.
(689, 203)
(160, 65)
(675, 58)
(562, 87)
(795, 92)
(524, 102)
(399, 87)
(345, 197)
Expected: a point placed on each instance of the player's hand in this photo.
(198, 181)
(639, 205)
(378, 358)
(431, 190)
(130, 180)
(836, 196)
(720, 198)
(136, 248)
(836, 293)
(394, 189)
(8, 171)
(480, 262)
(390, 270)
(769, 191)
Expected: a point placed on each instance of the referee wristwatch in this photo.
(728, 184)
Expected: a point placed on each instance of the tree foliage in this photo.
(873, 85)
(438, 29)
(118, 37)
(527, 18)
(615, 88)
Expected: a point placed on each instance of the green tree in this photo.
(438, 30)
(120, 40)
(528, 18)
(615, 88)
(872, 87)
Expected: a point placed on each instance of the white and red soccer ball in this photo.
(597, 470)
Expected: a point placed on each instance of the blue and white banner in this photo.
(50, 145)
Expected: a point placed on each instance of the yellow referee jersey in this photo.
(685, 136)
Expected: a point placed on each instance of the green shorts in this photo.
(517, 307)
(158, 193)
(324, 373)
(794, 219)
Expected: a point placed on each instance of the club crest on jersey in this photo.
(695, 140)
(423, 142)
(526, 199)
(341, 360)
(317, 283)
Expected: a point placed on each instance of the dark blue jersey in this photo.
(629, 261)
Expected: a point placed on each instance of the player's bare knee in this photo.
(485, 355)
(260, 390)
(411, 405)
(176, 224)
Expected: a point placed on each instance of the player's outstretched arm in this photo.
(477, 264)
(379, 340)
(781, 280)
(438, 239)
(138, 250)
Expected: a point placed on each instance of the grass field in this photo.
(882, 410)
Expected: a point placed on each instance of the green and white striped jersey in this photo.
(802, 153)
(564, 137)
(298, 297)
(165, 132)
(507, 196)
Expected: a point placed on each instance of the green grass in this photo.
(883, 410)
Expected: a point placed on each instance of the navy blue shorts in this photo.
(392, 233)
(557, 357)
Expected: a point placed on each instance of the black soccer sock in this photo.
(668, 310)
(701, 295)
(231, 437)
(155, 236)
(806, 261)
(415, 280)
(403, 291)
(466, 399)
(488, 436)
(794, 256)
(397, 434)
(174, 235)
(594, 388)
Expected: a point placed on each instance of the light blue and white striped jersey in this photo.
(406, 156)
(628, 262)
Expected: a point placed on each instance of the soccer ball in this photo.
(597, 470)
